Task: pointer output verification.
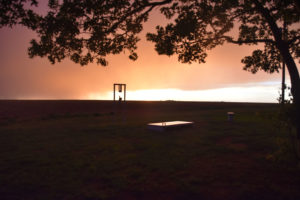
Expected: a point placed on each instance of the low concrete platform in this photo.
(163, 126)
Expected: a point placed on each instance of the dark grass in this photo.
(99, 150)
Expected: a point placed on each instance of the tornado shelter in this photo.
(171, 125)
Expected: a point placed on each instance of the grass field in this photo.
(94, 150)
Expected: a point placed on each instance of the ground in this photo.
(94, 150)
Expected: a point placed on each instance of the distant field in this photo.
(94, 150)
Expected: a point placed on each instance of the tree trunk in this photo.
(295, 89)
(295, 85)
(283, 48)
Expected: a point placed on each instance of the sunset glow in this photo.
(266, 92)
(151, 77)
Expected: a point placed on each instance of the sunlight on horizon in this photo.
(264, 92)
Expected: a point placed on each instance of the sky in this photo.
(151, 77)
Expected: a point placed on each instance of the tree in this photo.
(202, 25)
(89, 30)
(84, 31)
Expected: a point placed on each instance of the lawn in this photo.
(94, 150)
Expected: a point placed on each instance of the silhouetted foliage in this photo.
(84, 31)
(88, 30)
(14, 12)
(201, 25)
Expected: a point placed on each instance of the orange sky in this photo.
(21, 77)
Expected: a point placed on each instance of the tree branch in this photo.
(160, 3)
(250, 41)
(136, 10)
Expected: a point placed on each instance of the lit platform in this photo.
(162, 126)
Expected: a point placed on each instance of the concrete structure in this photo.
(163, 126)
